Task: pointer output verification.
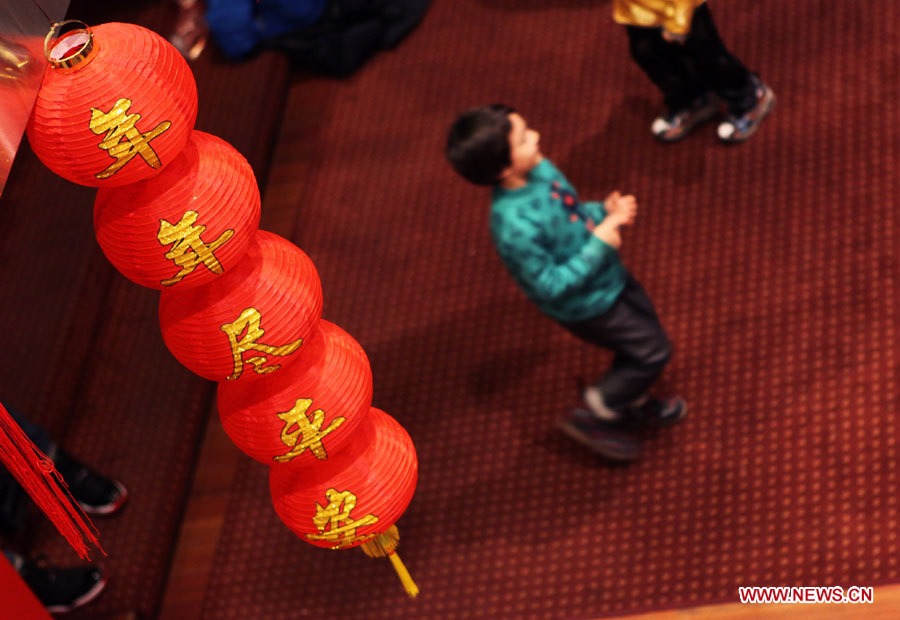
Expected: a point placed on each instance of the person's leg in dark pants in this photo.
(664, 63)
(686, 94)
(723, 71)
(632, 330)
(748, 100)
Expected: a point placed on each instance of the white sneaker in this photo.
(738, 128)
(676, 125)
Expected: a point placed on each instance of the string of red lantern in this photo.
(178, 210)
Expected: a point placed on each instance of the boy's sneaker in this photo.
(62, 589)
(676, 124)
(95, 494)
(738, 128)
(604, 438)
(661, 413)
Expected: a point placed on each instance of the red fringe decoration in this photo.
(38, 476)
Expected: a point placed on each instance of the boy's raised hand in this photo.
(622, 209)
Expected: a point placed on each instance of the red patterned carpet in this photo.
(773, 264)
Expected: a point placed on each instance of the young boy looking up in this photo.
(564, 255)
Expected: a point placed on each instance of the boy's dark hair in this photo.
(478, 143)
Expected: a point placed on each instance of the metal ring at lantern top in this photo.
(80, 56)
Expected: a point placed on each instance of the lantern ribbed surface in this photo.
(133, 71)
(330, 376)
(187, 225)
(372, 478)
(270, 301)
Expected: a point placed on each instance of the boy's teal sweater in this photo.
(543, 235)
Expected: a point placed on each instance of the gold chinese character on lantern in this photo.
(250, 320)
(188, 249)
(335, 516)
(123, 140)
(310, 430)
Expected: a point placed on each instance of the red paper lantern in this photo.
(306, 413)
(250, 322)
(353, 496)
(117, 105)
(186, 226)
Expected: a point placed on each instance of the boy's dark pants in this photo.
(702, 63)
(631, 329)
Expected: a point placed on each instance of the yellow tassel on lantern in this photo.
(385, 545)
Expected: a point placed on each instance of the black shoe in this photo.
(661, 413)
(63, 589)
(604, 438)
(95, 494)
